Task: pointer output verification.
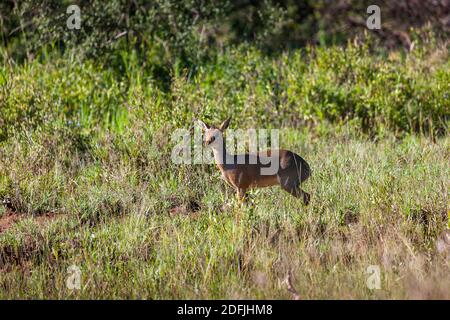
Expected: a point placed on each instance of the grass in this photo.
(382, 203)
(86, 177)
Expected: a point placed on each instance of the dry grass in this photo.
(379, 203)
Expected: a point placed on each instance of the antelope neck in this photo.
(221, 155)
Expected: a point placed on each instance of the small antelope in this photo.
(243, 172)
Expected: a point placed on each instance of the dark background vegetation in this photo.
(192, 30)
(167, 37)
(181, 28)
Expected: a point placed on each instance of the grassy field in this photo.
(86, 178)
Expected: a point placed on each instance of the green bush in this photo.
(342, 85)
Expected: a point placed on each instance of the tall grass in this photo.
(85, 166)
(379, 204)
(351, 85)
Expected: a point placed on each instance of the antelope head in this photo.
(213, 136)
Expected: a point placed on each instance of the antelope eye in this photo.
(212, 139)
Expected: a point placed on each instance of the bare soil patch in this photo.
(9, 218)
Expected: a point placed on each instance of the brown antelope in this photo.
(243, 172)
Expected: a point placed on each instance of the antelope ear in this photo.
(225, 124)
(203, 125)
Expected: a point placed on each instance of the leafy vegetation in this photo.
(86, 177)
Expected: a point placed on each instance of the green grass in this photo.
(85, 165)
(113, 221)
(350, 85)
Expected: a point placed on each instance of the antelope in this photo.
(242, 175)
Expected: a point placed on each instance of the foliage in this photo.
(86, 179)
(340, 85)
